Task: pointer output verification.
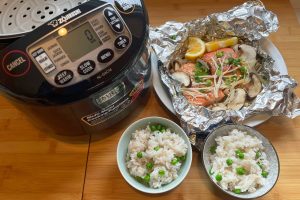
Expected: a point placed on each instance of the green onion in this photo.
(219, 72)
(198, 79)
(153, 128)
(237, 61)
(229, 162)
(139, 154)
(240, 170)
(220, 54)
(198, 65)
(173, 37)
(260, 165)
(234, 78)
(208, 82)
(158, 127)
(210, 171)
(257, 155)
(230, 60)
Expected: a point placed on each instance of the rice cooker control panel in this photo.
(81, 48)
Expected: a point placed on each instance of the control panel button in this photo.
(105, 56)
(124, 6)
(86, 67)
(63, 77)
(121, 42)
(43, 60)
(113, 20)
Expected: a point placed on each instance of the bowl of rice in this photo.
(154, 155)
(240, 161)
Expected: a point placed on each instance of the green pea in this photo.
(218, 177)
(237, 191)
(240, 170)
(158, 127)
(156, 148)
(257, 155)
(153, 128)
(264, 174)
(213, 149)
(182, 158)
(139, 154)
(239, 154)
(229, 162)
(147, 178)
(161, 172)
(174, 161)
(149, 165)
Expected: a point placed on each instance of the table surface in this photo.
(34, 165)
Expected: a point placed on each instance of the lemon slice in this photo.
(196, 48)
(218, 44)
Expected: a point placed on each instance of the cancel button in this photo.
(86, 67)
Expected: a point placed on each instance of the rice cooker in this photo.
(75, 67)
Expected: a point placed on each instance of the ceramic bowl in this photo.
(123, 148)
(269, 150)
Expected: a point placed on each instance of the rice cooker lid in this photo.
(71, 48)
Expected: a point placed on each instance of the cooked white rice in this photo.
(170, 145)
(226, 147)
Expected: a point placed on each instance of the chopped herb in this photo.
(260, 165)
(234, 78)
(230, 60)
(153, 128)
(156, 148)
(149, 165)
(139, 154)
(161, 172)
(219, 177)
(202, 91)
(158, 127)
(228, 81)
(240, 170)
(229, 162)
(173, 37)
(237, 191)
(244, 70)
(264, 174)
(219, 72)
(182, 158)
(220, 54)
(208, 82)
(213, 149)
(199, 65)
(237, 61)
(198, 79)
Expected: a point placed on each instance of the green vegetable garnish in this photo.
(230, 60)
(139, 154)
(156, 148)
(182, 158)
(147, 178)
(208, 82)
(212, 149)
(240, 170)
(149, 165)
(211, 172)
(237, 61)
(174, 161)
(264, 174)
(218, 177)
(244, 70)
(234, 78)
(199, 65)
(229, 162)
(228, 81)
(161, 172)
(153, 128)
(219, 72)
(158, 127)
(260, 165)
(173, 37)
(198, 79)
(239, 154)
(220, 54)
(257, 155)
(237, 191)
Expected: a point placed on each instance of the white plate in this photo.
(266, 44)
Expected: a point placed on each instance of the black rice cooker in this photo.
(75, 66)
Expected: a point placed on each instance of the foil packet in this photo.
(250, 22)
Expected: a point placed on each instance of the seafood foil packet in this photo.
(251, 23)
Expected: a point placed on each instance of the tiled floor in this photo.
(296, 5)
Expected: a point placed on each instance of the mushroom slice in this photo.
(174, 65)
(254, 87)
(182, 78)
(248, 54)
(236, 99)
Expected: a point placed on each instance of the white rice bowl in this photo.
(170, 146)
(226, 149)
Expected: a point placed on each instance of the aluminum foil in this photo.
(251, 22)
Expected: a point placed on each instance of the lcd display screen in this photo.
(79, 41)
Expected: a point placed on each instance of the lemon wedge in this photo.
(196, 48)
(218, 44)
